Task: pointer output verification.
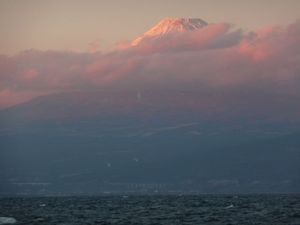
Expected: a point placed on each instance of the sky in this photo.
(78, 25)
(58, 46)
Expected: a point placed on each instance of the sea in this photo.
(264, 209)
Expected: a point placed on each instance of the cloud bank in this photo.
(217, 57)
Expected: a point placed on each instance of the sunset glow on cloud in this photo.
(217, 55)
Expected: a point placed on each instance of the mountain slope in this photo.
(170, 26)
(87, 143)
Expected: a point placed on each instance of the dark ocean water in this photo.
(156, 209)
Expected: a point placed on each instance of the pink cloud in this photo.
(215, 57)
(9, 97)
(30, 74)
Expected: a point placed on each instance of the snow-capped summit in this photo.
(172, 25)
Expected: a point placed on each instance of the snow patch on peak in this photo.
(172, 25)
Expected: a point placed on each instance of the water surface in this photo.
(156, 209)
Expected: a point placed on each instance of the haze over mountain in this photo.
(188, 106)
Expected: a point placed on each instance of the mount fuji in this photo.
(170, 26)
(155, 137)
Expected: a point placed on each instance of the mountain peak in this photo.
(172, 25)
